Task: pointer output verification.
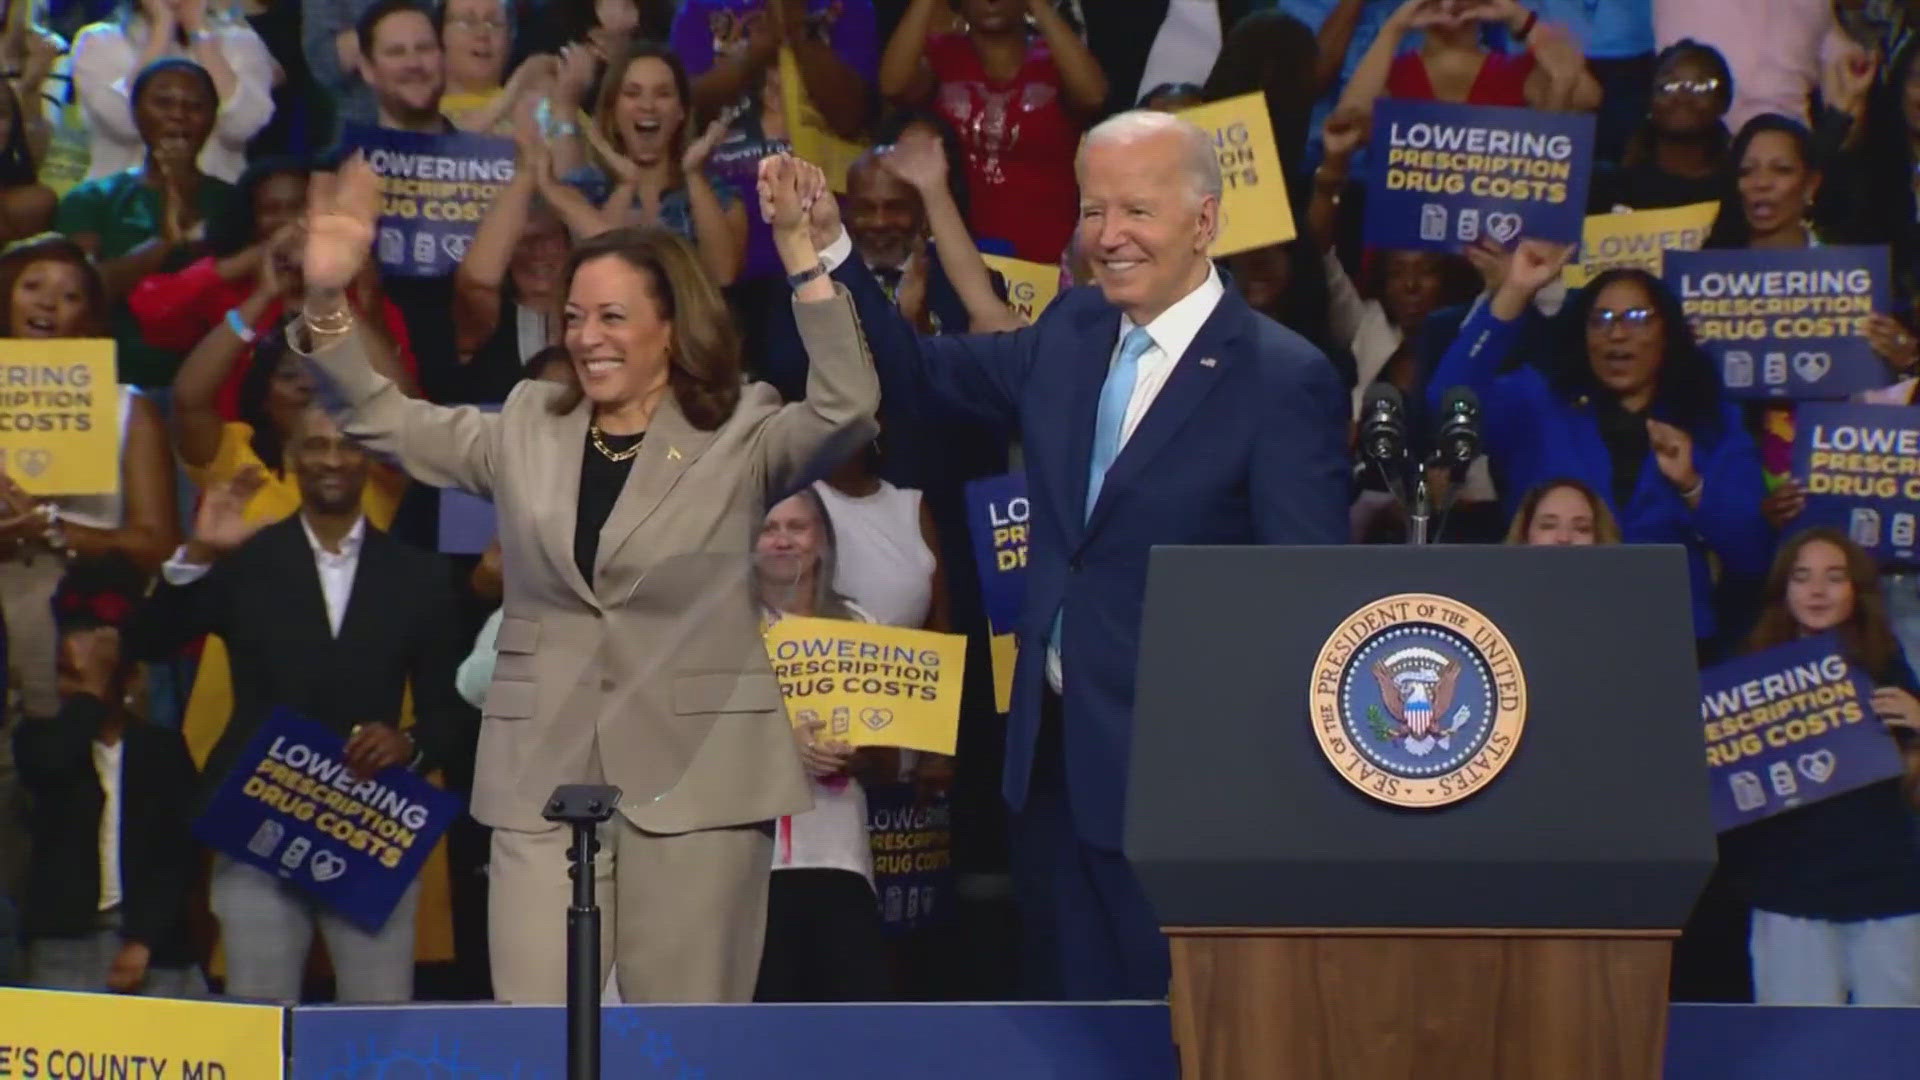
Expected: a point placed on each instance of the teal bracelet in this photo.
(239, 326)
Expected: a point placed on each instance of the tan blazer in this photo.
(655, 672)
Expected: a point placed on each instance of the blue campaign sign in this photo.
(1788, 727)
(1786, 324)
(1452, 174)
(997, 517)
(912, 845)
(467, 522)
(1860, 468)
(435, 189)
(291, 808)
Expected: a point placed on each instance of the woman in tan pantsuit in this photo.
(630, 649)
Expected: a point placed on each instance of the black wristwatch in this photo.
(818, 269)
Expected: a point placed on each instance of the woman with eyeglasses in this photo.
(1633, 408)
(1679, 154)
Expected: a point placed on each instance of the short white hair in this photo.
(1201, 165)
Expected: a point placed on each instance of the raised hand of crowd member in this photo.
(1894, 343)
(1847, 78)
(822, 758)
(220, 525)
(614, 22)
(919, 160)
(1341, 137)
(694, 159)
(1534, 265)
(1673, 456)
(532, 81)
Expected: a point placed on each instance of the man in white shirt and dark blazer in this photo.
(331, 618)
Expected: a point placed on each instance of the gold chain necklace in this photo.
(608, 452)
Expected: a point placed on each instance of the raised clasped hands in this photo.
(341, 210)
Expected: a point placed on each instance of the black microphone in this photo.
(1459, 433)
(1383, 425)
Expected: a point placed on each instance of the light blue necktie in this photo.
(1109, 421)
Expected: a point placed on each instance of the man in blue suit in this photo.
(1156, 409)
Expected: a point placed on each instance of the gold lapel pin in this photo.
(673, 453)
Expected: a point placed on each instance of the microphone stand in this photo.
(1421, 512)
(584, 807)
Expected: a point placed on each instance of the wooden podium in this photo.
(1318, 933)
(1355, 1004)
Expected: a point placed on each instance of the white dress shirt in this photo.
(106, 765)
(336, 569)
(1172, 331)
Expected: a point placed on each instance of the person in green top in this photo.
(152, 217)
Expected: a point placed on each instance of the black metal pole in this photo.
(584, 807)
(583, 959)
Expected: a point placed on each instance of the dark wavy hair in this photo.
(1688, 394)
(1730, 228)
(1866, 637)
(1274, 54)
(1640, 143)
(172, 63)
(269, 443)
(232, 230)
(52, 247)
(703, 353)
(16, 158)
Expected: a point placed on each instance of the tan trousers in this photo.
(682, 917)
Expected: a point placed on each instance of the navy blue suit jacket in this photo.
(1245, 444)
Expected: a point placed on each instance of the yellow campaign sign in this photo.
(871, 685)
(60, 416)
(1005, 652)
(813, 140)
(1031, 286)
(53, 1034)
(1640, 238)
(1254, 209)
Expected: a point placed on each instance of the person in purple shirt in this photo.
(729, 45)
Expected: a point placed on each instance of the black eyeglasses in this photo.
(1697, 87)
(1635, 318)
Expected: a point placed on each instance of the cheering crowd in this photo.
(179, 176)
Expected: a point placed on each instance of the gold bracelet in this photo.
(330, 323)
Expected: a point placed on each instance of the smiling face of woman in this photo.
(49, 301)
(649, 113)
(790, 541)
(1820, 588)
(614, 332)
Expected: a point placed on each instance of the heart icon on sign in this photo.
(326, 865)
(33, 462)
(1817, 766)
(1812, 366)
(455, 246)
(876, 718)
(1503, 226)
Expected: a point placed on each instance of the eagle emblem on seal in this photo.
(1417, 688)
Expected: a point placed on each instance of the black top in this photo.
(1647, 187)
(158, 859)
(601, 479)
(1624, 433)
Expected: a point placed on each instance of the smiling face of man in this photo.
(1146, 221)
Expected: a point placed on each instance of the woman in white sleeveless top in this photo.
(824, 940)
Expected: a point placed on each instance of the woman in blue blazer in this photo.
(1633, 408)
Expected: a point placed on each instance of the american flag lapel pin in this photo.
(1208, 361)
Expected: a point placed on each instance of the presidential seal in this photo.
(1418, 700)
